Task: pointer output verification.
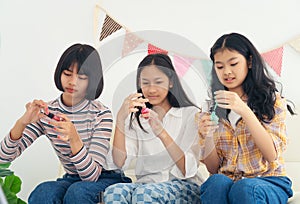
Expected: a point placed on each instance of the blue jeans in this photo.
(219, 189)
(70, 189)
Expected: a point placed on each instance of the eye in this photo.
(67, 73)
(233, 64)
(219, 67)
(145, 83)
(83, 77)
(159, 82)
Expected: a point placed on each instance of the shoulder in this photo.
(99, 107)
(185, 112)
(280, 102)
(54, 102)
(190, 110)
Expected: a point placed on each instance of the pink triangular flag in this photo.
(131, 41)
(153, 50)
(274, 59)
(182, 64)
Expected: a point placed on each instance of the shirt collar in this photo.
(176, 112)
(72, 109)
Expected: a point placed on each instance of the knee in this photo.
(76, 191)
(116, 192)
(148, 194)
(217, 181)
(44, 191)
(244, 190)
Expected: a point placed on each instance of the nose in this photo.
(73, 79)
(152, 88)
(227, 70)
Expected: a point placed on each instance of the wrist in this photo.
(162, 135)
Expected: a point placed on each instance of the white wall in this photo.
(33, 35)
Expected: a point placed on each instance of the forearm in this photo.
(211, 158)
(17, 130)
(76, 145)
(174, 150)
(261, 137)
(119, 149)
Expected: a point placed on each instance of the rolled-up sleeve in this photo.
(189, 144)
(277, 127)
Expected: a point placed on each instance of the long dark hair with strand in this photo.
(259, 86)
(176, 94)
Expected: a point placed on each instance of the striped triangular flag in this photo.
(109, 27)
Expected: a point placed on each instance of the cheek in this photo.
(219, 74)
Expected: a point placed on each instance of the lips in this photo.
(231, 79)
(70, 90)
(152, 97)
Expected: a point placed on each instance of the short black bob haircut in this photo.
(89, 64)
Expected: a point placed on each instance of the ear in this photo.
(170, 85)
(249, 63)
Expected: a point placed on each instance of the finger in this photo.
(146, 115)
(133, 110)
(134, 96)
(63, 138)
(63, 117)
(27, 105)
(140, 104)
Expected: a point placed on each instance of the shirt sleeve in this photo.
(277, 127)
(89, 162)
(131, 144)
(11, 149)
(189, 144)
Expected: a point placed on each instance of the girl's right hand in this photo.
(206, 126)
(130, 105)
(33, 112)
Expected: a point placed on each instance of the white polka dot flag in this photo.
(131, 42)
(295, 43)
(274, 59)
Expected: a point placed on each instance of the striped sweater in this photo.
(93, 122)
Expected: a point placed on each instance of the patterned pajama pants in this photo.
(175, 191)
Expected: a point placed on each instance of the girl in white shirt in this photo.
(156, 127)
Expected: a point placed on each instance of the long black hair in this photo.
(176, 94)
(259, 86)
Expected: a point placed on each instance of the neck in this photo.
(70, 101)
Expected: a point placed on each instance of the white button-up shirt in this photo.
(153, 162)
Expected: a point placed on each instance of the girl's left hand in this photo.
(66, 130)
(230, 100)
(154, 121)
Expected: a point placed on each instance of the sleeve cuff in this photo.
(191, 168)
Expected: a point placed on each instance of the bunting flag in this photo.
(274, 59)
(131, 42)
(206, 69)
(153, 49)
(181, 64)
(295, 44)
(109, 26)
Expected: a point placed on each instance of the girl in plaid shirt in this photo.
(243, 152)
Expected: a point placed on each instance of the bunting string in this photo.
(131, 42)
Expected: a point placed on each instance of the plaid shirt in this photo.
(240, 157)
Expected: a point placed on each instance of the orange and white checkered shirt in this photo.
(239, 156)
